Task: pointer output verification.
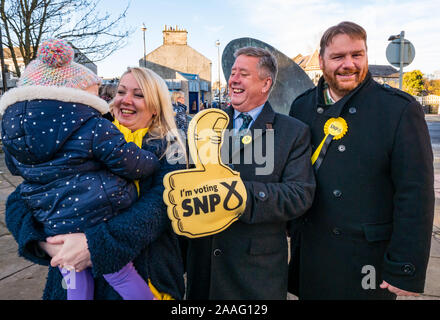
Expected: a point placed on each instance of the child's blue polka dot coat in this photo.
(75, 163)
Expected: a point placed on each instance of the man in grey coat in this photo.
(249, 259)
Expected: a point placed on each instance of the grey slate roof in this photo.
(383, 71)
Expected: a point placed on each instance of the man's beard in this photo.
(342, 88)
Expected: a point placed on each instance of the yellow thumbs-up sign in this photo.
(208, 199)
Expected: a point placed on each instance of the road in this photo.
(433, 122)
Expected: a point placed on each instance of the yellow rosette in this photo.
(334, 129)
(337, 127)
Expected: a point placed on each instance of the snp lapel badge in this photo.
(208, 199)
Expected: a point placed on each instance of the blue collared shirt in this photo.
(254, 113)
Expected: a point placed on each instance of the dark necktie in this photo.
(246, 121)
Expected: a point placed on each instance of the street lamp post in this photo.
(217, 43)
(143, 28)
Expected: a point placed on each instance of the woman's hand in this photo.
(74, 253)
(51, 249)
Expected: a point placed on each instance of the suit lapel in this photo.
(230, 112)
(226, 149)
(267, 115)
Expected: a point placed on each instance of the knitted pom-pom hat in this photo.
(54, 66)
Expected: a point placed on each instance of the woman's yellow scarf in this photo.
(135, 137)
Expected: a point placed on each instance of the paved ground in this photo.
(23, 280)
(19, 278)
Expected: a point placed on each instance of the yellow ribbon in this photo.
(336, 127)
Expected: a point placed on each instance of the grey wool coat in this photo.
(249, 259)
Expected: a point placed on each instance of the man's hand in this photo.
(74, 252)
(397, 291)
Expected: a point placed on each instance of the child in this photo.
(74, 162)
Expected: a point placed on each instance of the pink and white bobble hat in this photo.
(54, 66)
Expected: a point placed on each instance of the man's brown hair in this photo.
(351, 29)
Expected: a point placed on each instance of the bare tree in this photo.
(95, 33)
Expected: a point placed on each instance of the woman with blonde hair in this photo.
(148, 107)
(142, 234)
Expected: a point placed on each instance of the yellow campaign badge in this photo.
(209, 198)
(334, 129)
(246, 139)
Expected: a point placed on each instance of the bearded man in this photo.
(368, 232)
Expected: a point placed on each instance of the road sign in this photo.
(393, 53)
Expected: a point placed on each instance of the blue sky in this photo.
(291, 26)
